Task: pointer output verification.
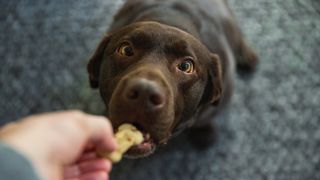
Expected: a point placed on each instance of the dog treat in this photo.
(126, 137)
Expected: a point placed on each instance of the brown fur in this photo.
(163, 34)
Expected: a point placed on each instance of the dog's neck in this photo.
(172, 16)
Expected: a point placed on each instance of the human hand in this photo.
(63, 144)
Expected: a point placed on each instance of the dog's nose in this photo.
(144, 93)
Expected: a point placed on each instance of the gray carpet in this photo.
(272, 130)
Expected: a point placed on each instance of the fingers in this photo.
(88, 156)
(92, 176)
(88, 169)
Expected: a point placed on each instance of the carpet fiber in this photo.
(272, 130)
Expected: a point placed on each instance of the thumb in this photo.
(99, 132)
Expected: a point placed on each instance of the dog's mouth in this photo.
(145, 148)
(145, 103)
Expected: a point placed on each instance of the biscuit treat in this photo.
(126, 137)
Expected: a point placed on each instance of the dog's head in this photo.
(155, 77)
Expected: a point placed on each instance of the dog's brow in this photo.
(141, 40)
(178, 49)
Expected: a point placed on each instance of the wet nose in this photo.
(144, 93)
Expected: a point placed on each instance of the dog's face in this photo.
(155, 77)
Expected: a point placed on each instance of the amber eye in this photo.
(186, 66)
(125, 50)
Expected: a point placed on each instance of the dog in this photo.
(168, 65)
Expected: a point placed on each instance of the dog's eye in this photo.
(186, 66)
(125, 50)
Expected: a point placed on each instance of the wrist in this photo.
(37, 157)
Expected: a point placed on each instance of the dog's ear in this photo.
(215, 78)
(95, 62)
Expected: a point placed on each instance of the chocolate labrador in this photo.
(168, 65)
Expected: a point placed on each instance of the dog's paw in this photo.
(202, 137)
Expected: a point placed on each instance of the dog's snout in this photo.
(144, 93)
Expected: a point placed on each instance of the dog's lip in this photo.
(143, 149)
(147, 146)
(147, 141)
